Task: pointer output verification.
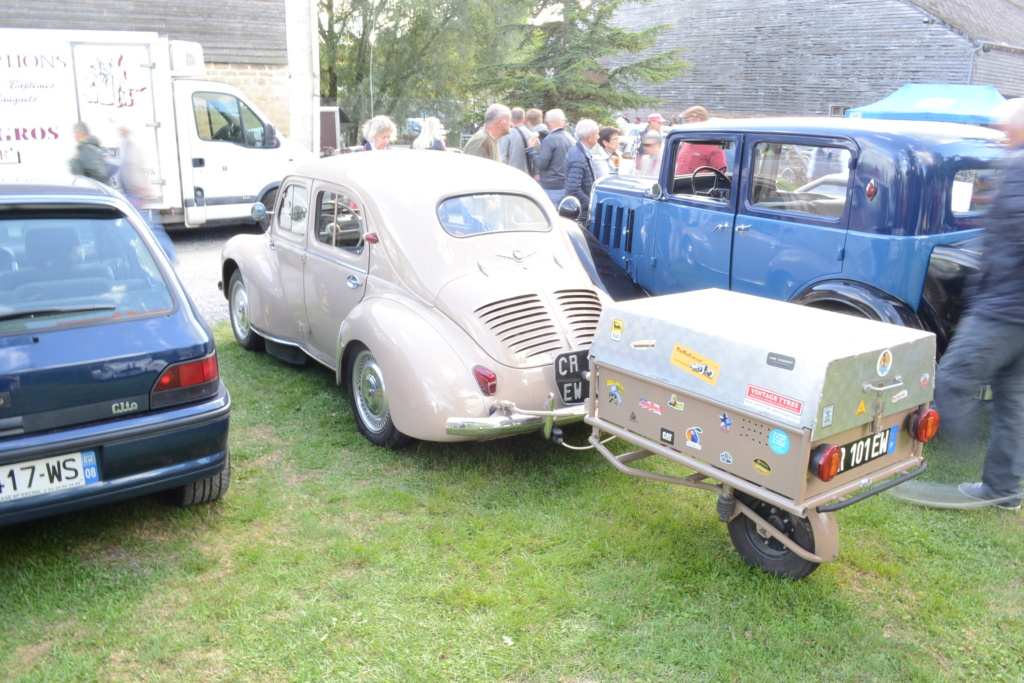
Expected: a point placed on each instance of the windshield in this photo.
(479, 213)
(60, 268)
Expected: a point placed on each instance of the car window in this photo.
(697, 161)
(339, 221)
(79, 266)
(292, 216)
(481, 213)
(225, 118)
(807, 179)
(973, 189)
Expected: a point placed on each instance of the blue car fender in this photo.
(426, 361)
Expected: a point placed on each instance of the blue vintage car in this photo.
(109, 385)
(876, 218)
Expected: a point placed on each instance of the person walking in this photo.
(485, 142)
(88, 160)
(989, 340)
(550, 161)
(137, 182)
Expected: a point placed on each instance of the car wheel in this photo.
(368, 395)
(205, 490)
(768, 554)
(238, 310)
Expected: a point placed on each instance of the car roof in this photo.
(934, 131)
(60, 188)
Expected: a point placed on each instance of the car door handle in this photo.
(741, 228)
(353, 282)
(721, 226)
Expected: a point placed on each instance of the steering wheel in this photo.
(718, 176)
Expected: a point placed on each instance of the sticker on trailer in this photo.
(650, 405)
(776, 404)
(644, 344)
(762, 466)
(674, 403)
(777, 360)
(668, 436)
(617, 326)
(724, 422)
(778, 441)
(695, 364)
(826, 415)
(614, 392)
(693, 437)
(725, 457)
(884, 364)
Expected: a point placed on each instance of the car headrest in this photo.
(53, 247)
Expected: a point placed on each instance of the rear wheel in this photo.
(769, 554)
(205, 490)
(369, 397)
(238, 311)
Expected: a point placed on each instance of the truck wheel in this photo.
(205, 490)
(238, 311)
(368, 395)
(769, 554)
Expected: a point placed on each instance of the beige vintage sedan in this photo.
(444, 291)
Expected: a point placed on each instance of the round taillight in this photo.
(486, 380)
(826, 460)
(924, 424)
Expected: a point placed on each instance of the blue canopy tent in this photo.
(921, 102)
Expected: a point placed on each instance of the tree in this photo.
(578, 61)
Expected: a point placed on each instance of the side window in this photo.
(704, 169)
(224, 118)
(339, 222)
(806, 179)
(292, 216)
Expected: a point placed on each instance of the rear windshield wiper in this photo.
(56, 310)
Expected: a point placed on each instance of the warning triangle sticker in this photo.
(861, 409)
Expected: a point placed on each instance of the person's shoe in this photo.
(978, 491)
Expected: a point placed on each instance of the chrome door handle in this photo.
(741, 228)
(353, 282)
(721, 226)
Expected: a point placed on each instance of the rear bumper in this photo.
(136, 456)
(512, 420)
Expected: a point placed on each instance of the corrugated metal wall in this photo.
(231, 31)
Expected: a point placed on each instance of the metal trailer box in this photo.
(746, 390)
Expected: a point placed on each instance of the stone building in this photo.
(267, 48)
(821, 57)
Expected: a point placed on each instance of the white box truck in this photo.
(210, 152)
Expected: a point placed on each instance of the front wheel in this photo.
(238, 311)
(369, 397)
(768, 554)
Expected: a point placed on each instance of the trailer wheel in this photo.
(768, 554)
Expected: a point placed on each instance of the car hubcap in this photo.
(240, 310)
(370, 395)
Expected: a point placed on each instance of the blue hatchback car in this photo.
(109, 385)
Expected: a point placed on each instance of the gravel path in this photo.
(199, 265)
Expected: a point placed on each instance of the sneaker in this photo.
(978, 491)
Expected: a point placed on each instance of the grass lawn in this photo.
(516, 560)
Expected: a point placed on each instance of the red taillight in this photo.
(826, 461)
(924, 424)
(486, 380)
(188, 374)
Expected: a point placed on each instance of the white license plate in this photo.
(24, 479)
(863, 451)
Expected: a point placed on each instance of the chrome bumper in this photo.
(509, 419)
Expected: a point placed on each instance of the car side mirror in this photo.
(259, 215)
(570, 207)
(656, 191)
(270, 140)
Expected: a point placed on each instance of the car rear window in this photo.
(972, 191)
(475, 214)
(72, 267)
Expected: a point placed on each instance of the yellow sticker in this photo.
(617, 326)
(861, 409)
(695, 364)
(762, 466)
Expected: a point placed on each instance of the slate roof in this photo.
(998, 21)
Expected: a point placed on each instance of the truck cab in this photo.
(875, 218)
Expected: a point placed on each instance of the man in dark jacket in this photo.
(579, 167)
(550, 161)
(89, 159)
(989, 340)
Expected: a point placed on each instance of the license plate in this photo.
(24, 479)
(865, 450)
(569, 370)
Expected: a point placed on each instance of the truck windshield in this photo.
(225, 118)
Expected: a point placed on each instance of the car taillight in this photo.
(826, 461)
(184, 382)
(486, 380)
(924, 424)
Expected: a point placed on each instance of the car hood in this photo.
(524, 311)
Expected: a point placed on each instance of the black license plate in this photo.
(569, 376)
(863, 451)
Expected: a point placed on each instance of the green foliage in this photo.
(579, 62)
(514, 560)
